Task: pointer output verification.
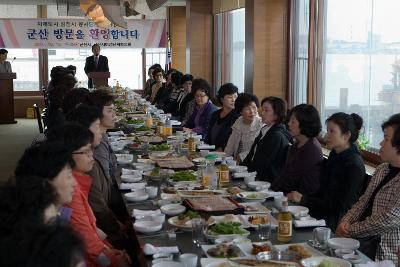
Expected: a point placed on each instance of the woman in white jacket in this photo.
(246, 127)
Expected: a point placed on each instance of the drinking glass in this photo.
(177, 147)
(145, 147)
(264, 231)
(321, 237)
(198, 225)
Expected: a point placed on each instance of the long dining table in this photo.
(183, 239)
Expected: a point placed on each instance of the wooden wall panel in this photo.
(177, 31)
(269, 47)
(199, 30)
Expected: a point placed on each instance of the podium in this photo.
(99, 78)
(7, 98)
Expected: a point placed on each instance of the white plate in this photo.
(343, 243)
(173, 209)
(313, 251)
(232, 236)
(205, 248)
(315, 261)
(298, 211)
(245, 219)
(170, 196)
(174, 222)
(244, 174)
(258, 196)
(169, 264)
(233, 218)
(247, 247)
(136, 196)
(258, 208)
(128, 178)
(213, 262)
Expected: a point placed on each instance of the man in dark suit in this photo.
(96, 63)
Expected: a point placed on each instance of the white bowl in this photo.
(344, 243)
(129, 178)
(173, 209)
(353, 258)
(169, 264)
(238, 168)
(124, 158)
(315, 261)
(147, 227)
(136, 196)
(248, 196)
(159, 217)
(131, 172)
(259, 185)
(340, 252)
(298, 211)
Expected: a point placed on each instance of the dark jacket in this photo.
(303, 169)
(341, 185)
(225, 128)
(204, 121)
(100, 196)
(270, 156)
(90, 66)
(162, 96)
(182, 106)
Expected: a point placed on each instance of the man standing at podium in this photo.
(5, 66)
(96, 63)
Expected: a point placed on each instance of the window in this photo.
(25, 65)
(362, 62)
(26, 62)
(155, 55)
(300, 51)
(65, 57)
(230, 42)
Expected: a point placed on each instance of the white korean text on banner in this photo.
(80, 33)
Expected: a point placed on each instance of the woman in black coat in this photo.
(343, 175)
(223, 119)
(267, 155)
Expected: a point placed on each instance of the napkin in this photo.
(272, 193)
(309, 223)
(205, 146)
(141, 213)
(149, 249)
(175, 122)
(386, 263)
(244, 174)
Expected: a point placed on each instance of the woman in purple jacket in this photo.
(199, 120)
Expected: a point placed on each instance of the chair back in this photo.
(38, 117)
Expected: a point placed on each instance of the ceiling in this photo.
(73, 2)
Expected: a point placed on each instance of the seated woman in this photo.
(102, 187)
(199, 121)
(98, 251)
(223, 119)
(267, 155)
(375, 218)
(184, 98)
(171, 106)
(52, 162)
(343, 175)
(246, 127)
(158, 75)
(163, 94)
(304, 161)
(26, 205)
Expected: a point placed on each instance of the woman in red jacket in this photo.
(98, 251)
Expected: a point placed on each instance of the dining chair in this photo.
(38, 117)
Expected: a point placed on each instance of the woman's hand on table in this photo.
(343, 229)
(294, 196)
(187, 130)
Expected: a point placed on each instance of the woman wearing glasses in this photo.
(200, 119)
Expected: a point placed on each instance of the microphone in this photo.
(13, 60)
